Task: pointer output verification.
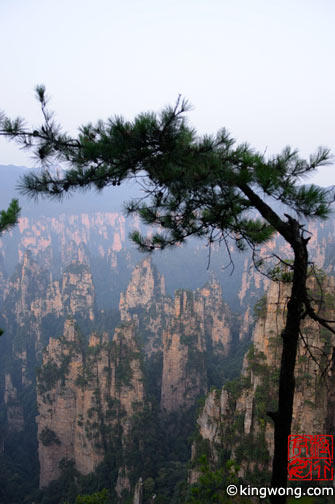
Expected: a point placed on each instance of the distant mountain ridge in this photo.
(110, 199)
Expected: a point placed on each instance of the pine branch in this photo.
(9, 217)
(322, 321)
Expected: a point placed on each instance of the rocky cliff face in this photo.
(145, 303)
(15, 416)
(234, 420)
(184, 376)
(87, 397)
(44, 235)
(146, 287)
(89, 392)
(75, 265)
(32, 291)
(78, 293)
(34, 307)
(176, 335)
(199, 328)
(97, 240)
(55, 241)
(182, 330)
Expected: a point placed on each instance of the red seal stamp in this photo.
(310, 457)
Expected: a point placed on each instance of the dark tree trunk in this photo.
(290, 336)
(293, 233)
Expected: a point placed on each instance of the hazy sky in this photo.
(262, 68)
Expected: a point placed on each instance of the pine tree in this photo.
(206, 187)
(9, 217)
